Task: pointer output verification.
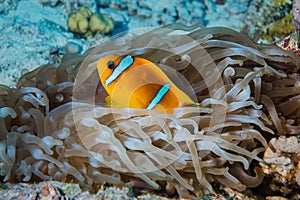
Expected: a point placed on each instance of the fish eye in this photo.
(110, 64)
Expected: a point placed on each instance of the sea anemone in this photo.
(56, 124)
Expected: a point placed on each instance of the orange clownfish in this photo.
(135, 82)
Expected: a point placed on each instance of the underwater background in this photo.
(32, 31)
(40, 33)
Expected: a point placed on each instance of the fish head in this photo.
(105, 67)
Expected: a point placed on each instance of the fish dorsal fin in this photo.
(179, 80)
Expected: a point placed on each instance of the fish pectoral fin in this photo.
(108, 101)
(113, 103)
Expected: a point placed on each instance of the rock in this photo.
(72, 47)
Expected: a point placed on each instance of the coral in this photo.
(55, 125)
(220, 2)
(290, 43)
(83, 23)
(283, 163)
(7, 5)
(78, 20)
(296, 14)
(49, 2)
(143, 13)
(101, 23)
(263, 14)
(280, 3)
(276, 30)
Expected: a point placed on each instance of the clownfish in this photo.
(135, 82)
